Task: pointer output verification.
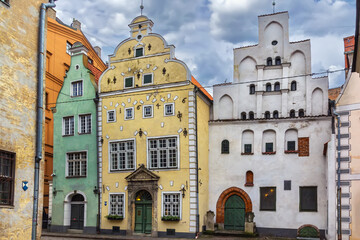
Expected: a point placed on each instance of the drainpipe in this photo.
(39, 112)
(96, 100)
(197, 166)
(338, 176)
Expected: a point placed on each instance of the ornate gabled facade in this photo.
(153, 139)
(267, 137)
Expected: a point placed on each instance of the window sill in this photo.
(247, 153)
(70, 135)
(269, 153)
(122, 170)
(75, 176)
(291, 151)
(249, 184)
(84, 133)
(7, 206)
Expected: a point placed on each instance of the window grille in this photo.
(85, 124)
(163, 152)
(122, 155)
(77, 89)
(117, 204)
(68, 126)
(77, 164)
(7, 176)
(171, 204)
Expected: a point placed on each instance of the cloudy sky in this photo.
(205, 32)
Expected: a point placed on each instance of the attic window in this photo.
(274, 42)
(139, 52)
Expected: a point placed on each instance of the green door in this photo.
(234, 213)
(143, 212)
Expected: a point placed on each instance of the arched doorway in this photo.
(77, 212)
(143, 212)
(234, 213)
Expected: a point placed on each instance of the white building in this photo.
(267, 138)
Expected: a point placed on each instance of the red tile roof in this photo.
(334, 93)
(196, 83)
(97, 73)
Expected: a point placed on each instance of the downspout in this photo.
(338, 176)
(39, 112)
(197, 166)
(96, 100)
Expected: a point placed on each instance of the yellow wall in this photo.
(18, 90)
(355, 141)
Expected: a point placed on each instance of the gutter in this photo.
(197, 165)
(39, 112)
(96, 100)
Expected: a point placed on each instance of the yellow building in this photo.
(153, 144)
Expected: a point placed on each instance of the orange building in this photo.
(349, 45)
(60, 38)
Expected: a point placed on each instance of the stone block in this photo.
(250, 227)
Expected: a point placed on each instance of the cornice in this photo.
(54, 79)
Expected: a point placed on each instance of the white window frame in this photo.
(177, 156)
(63, 126)
(152, 78)
(173, 106)
(133, 113)
(123, 202)
(133, 81)
(109, 152)
(86, 123)
(107, 116)
(67, 165)
(162, 203)
(71, 88)
(152, 111)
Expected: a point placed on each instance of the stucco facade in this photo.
(267, 137)
(150, 104)
(74, 202)
(19, 28)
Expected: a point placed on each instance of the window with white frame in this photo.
(171, 204)
(163, 152)
(68, 126)
(147, 111)
(147, 78)
(122, 155)
(85, 124)
(77, 89)
(111, 116)
(129, 113)
(129, 82)
(169, 109)
(76, 164)
(117, 204)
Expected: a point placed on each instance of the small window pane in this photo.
(129, 82)
(139, 52)
(291, 146)
(269, 147)
(225, 148)
(147, 79)
(247, 148)
(267, 198)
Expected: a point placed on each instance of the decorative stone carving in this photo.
(209, 220)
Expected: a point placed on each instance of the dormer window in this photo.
(139, 52)
(277, 61)
(269, 61)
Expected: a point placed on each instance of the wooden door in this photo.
(234, 213)
(143, 217)
(77, 216)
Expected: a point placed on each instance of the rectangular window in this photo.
(171, 204)
(76, 164)
(268, 198)
(269, 147)
(169, 109)
(117, 204)
(76, 89)
(111, 116)
(148, 78)
(163, 152)
(85, 124)
(122, 155)
(291, 146)
(147, 111)
(308, 199)
(68, 46)
(129, 82)
(7, 177)
(129, 113)
(248, 148)
(139, 52)
(68, 126)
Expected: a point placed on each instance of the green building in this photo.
(75, 195)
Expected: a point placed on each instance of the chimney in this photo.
(98, 51)
(51, 13)
(76, 24)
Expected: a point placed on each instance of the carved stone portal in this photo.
(139, 180)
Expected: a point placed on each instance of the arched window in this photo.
(277, 86)
(301, 113)
(269, 61)
(293, 86)
(277, 61)
(225, 147)
(249, 179)
(291, 139)
(243, 115)
(269, 142)
(251, 115)
(275, 114)
(247, 142)
(252, 89)
(292, 113)
(77, 198)
(268, 87)
(267, 115)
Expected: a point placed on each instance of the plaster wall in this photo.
(355, 214)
